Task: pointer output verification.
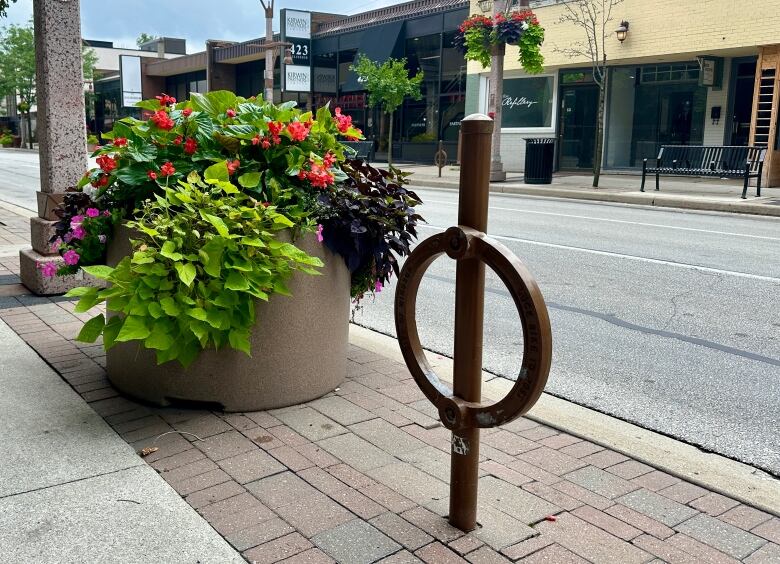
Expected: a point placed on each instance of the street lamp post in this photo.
(270, 47)
(496, 93)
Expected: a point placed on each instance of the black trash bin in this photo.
(539, 156)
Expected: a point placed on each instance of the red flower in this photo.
(231, 113)
(162, 120)
(106, 163)
(166, 100)
(319, 176)
(275, 128)
(167, 169)
(101, 181)
(256, 140)
(343, 122)
(152, 175)
(232, 166)
(178, 140)
(328, 160)
(297, 130)
(190, 145)
(120, 142)
(266, 143)
(186, 112)
(492, 115)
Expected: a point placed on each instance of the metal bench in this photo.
(708, 160)
(363, 149)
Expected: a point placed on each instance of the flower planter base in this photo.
(299, 349)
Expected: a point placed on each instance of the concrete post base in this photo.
(497, 175)
(39, 284)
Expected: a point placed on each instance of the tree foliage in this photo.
(388, 84)
(4, 6)
(143, 38)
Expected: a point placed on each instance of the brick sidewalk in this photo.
(361, 475)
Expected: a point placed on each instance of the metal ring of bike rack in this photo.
(465, 243)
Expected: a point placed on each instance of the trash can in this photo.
(539, 156)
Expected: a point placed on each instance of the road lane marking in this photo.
(593, 218)
(623, 256)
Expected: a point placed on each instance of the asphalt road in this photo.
(664, 318)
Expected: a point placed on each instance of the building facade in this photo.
(702, 72)
(421, 31)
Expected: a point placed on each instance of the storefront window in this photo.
(180, 86)
(346, 58)
(453, 109)
(421, 117)
(528, 102)
(453, 67)
(665, 107)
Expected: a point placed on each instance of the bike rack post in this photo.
(460, 408)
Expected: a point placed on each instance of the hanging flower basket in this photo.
(477, 36)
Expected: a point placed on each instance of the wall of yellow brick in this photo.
(667, 29)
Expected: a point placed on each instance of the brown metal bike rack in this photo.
(460, 408)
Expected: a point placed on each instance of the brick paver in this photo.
(360, 475)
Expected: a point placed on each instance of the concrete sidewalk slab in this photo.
(71, 490)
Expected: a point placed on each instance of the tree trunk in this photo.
(29, 130)
(599, 146)
(390, 142)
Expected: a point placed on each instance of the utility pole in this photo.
(268, 6)
(496, 95)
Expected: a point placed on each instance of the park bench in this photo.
(708, 160)
(363, 149)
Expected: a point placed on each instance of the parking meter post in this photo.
(469, 311)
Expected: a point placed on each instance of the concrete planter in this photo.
(299, 349)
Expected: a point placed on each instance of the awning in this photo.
(378, 44)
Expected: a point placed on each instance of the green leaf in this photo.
(160, 338)
(134, 328)
(155, 310)
(152, 105)
(239, 340)
(186, 272)
(198, 313)
(211, 256)
(236, 281)
(249, 179)
(99, 271)
(170, 307)
(142, 151)
(218, 172)
(168, 251)
(218, 224)
(92, 329)
(81, 291)
(110, 331)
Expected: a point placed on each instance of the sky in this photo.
(121, 21)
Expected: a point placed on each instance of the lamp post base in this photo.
(498, 175)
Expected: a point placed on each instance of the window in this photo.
(181, 85)
(527, 102)
(683, 72)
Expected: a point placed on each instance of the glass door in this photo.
(577, 127)
(742, 110)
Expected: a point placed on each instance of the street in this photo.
(664, 318)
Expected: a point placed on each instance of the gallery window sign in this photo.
(527, 102)
(296, 30)
(130, 80)
(324, 80)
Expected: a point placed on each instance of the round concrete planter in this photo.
(299, 349)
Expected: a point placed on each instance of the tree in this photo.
(17, 69)
(4, 6)
(593, 17)
(143, 38)
(88, 61)
(387, 85)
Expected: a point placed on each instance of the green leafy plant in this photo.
(92, 139)
(204, 253)
(6, 140)
(478, 35)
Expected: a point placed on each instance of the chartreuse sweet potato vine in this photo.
(205, 251)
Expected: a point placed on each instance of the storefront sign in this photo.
(296, 29)
(324, 80)
(130, 80)
(527, 102)
(711, 73)
(297, 78)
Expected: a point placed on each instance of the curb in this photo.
(708, 470)
(645, 199)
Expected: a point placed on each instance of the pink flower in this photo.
(319, 233)
(231, 113)
(297, 130)
(55, 246)
(106, 213)
(79, 232)
(48, 269)
(67, 238)
(76, 220)
(378, 286)
(71, 257)
(93, 212)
